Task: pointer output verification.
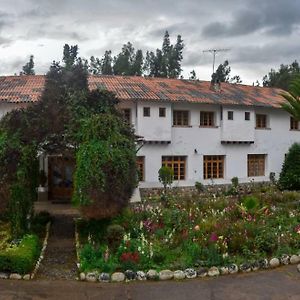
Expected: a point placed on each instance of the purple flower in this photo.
(213, 238)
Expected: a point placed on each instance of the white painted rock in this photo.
(82, 276)
(117, 277)
(104, 277)
(224, 270)
(274, 262)
(140, 275)
(232, 269)
(166, 275)
(202, 272)
(190, 273)
(298, 268)
(152, 275)
(4, 275)
(26, 277)
(285, 259)
(91, 277)
(15, 276)
(213, 271)
(295, 259)
(179, 275)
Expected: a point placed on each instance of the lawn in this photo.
(191, 232)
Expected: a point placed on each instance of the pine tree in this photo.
(28, 68)
(123, 61)
(95, 66)
(106, 63)
(137, 66)
(69, 56)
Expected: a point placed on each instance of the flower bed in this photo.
(20, 259)
(216, 234)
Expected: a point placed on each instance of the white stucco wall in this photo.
(6, 107)
(273, 142)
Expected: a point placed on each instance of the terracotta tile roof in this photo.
(15, 89)
(29, 88)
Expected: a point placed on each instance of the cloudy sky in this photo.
(261, 34)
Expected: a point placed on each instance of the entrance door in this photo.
(60, 178)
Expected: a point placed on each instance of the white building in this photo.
(205, 133)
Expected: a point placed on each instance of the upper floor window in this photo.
(213, 166)
(127, 115)
(294, 124)
(162, 112)
(146, 111)
(256, 165)
(261, 121)
(140, 163)
(177, 164)
(207, 118)
(247, 116)
(180, 118)
(230, 115)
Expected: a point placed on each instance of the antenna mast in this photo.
(214, 52)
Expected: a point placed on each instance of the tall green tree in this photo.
(282, 77)
(28, 68)
(106, 63)
(165, 62)
(70, 55)
(222, 74)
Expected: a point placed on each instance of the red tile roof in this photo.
(29, 88)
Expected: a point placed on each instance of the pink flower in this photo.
(213, 238)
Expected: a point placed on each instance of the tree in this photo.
(70, 56)
(193, 75)
(292, 104)
(165, 62)
(28, 68)
(106, 63)
(290, 175)
(283, 77)
(95, 66)
(165, 177)
(222, 74)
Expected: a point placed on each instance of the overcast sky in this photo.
(261, 34)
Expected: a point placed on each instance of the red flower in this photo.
(213, 238)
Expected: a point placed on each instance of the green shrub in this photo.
(199, 187)
(20, 258)
(114, 235)
(289, 178)
(250, 203)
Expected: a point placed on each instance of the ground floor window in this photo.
(256, 165)
(177, 164)
(213, 166)
(140, 162)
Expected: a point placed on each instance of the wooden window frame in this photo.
(256, 165)
(261, 121)
(146, 111)
(162, 112)
(247, 116)
(213, 166)
(127, 115)
(230, 115)
(140, 163)
(181, 118)
(294, 124)
(207, 119)
(177, 164)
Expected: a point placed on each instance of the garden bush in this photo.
(290, 174)
(20, 258)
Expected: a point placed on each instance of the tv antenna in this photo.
(214, 52)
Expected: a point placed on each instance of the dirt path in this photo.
(60, 257)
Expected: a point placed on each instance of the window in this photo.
(207, 118)
(261, 121)
(180, 118)
(140, 163)
(230, 115)
(213, 166)
(177, 164)
(256, 165)
(162, 112)
(146, 111)
(247, 116)
(127, 115)
(294, 124)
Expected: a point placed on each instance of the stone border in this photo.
(30, 276)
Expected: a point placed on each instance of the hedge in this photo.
(21, 258)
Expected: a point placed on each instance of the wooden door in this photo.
(60, 178)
